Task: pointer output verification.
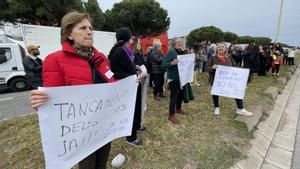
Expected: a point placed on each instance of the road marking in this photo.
(5, 99)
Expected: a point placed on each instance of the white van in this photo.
(12, 73)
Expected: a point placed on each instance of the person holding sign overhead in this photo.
(77, 63)
(221, 58)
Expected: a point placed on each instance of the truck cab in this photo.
(12, 73)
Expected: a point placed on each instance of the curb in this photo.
(265, 132)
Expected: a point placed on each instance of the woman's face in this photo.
(138, 47)
(82, 34)
(221, 48)
(178, 44)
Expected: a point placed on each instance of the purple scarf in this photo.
(129, 53)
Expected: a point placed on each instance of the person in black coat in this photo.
(33, 66)
(122, 65)
(251, 59)
(138, 55)
(149, 66)
(156, 58)
(263, 61)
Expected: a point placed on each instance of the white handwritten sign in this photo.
(77, 120)
(186, 68)
(230, 82)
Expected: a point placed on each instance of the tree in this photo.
(44, 12)
(245, 39)
(19, 11)
(262, 40)
(230, 37)
(143, 17)
(208, 33)
(257, 40)
(92, 7)
(54, 10)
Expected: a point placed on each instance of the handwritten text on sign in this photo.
(78, 120)
(230, 82)
(186, 68)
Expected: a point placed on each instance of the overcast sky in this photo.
(243, 17)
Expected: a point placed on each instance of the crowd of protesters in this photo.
(60, 69)
(259, 59)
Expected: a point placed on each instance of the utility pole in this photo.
(279, 21)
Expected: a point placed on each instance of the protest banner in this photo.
(230, 82)
(186, 68)
(78, 120)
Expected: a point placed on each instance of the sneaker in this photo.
(243, 112)
(135, 143)
(180, 112)
(173, 119)
(142, 129)
(217, 111)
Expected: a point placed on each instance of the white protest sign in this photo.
(78, 120)
(143, 68)
(143, 83)
(186, 68)
(144, 98)
(230, 82)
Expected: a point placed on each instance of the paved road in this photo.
(13, 104)
(281, 154)
(296, 158)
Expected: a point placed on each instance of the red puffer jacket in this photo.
(66, 68)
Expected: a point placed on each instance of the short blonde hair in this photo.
(69, 21)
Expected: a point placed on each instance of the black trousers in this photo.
(239, 62)
(137, 115)
(97, 160)
(176, 97)
(151, 80)
(158, 83)
(239, 102)
(291, 61)
(276, 68)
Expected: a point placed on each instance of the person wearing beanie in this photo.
(122, 65)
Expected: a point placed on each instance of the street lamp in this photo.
(279, 21)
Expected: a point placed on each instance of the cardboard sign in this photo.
(78, 120)
(230, 82)
(186, 68)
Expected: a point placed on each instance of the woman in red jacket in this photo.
(77, 63)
